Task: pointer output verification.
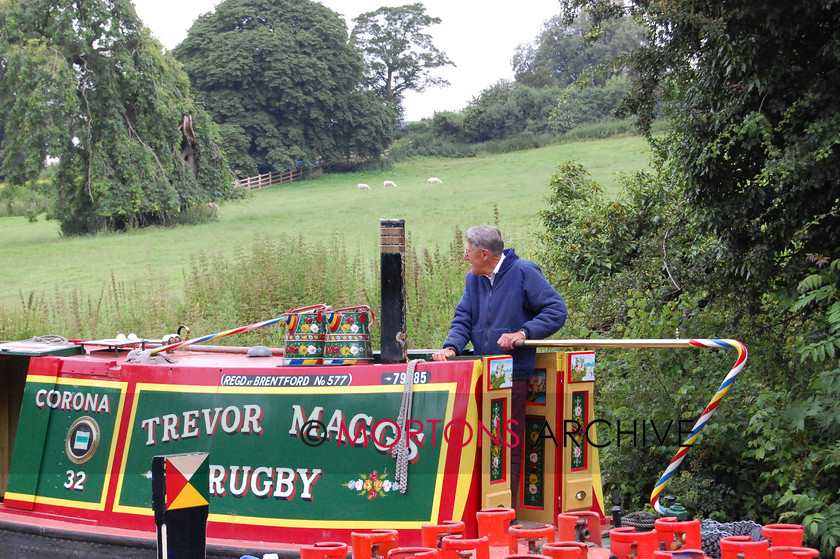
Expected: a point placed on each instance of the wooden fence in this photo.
(258, 182)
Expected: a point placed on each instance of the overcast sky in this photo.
(480, 37)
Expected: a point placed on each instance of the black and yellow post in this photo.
(180, 491)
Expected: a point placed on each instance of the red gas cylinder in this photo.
(783, 534)
(678, 534)
(431, 534)
(494, 524)
(732, 546)
(324, 550)
(837, 553)
(452, 547)
(548, 547)
(626, 542)
(414, 553)
(567, 526)
(792, 552)
(373, 544)
(531, 535)
(561, 550)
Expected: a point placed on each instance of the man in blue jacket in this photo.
(505, 299)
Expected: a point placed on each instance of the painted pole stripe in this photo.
(239, 330)
(676, 461)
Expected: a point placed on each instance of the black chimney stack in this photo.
(392, 316)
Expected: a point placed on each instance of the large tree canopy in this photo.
(399, 56)
(563, 53)
(736, 233)
(282, 81)
(83, 82)
(751, 87)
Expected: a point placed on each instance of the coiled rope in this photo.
(401, 448)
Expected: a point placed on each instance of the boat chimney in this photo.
(392, 315)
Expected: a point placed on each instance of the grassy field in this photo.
(35, 259)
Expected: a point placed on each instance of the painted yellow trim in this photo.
(597, 482)
(22, 497)
(469, 451)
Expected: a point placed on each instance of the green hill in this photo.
(35, 259)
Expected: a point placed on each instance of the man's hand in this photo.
(443, 354)
(506, 340)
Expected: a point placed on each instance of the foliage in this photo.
(565, 53)
(28, 200)
(508, 109)
(284, 84)
(750, 88)
(799, 440)
(638, 267)
(578, 106)
(83, 82)
(399, 56)
(750, 91)
(512, 116)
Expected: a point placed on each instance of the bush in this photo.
(194, 215)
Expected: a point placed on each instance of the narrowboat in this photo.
(283, 447)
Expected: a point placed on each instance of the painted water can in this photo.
(305, 329)
(347, 341)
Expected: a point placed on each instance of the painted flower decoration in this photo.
(577, 452)
(533, 457)
(532, 489)
(372, 485)
(578, 411)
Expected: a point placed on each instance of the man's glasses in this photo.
(468, 252)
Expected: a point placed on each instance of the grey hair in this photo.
(486, 236)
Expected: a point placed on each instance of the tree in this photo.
(751, 88)
(82, 81)
(281, 79)
(750, 92)
(565, 51)
(399, 57)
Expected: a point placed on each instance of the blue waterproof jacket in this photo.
(520, 297)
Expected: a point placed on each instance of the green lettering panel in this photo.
(63, 448)
(260, 466)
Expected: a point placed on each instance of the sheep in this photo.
(363, 186)
(435, 180)
(386, 184)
